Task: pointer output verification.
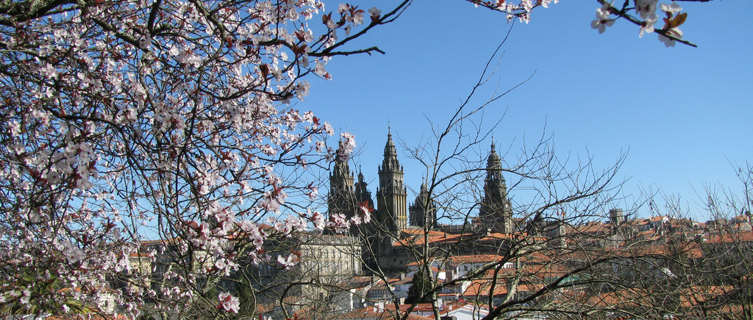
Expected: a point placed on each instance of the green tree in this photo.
(420, 289)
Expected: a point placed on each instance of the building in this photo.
(391, 221)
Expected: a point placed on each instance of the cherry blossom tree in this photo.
(126, 120)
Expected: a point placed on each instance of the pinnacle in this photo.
(389, 148)
(493, 161)
(389, 137)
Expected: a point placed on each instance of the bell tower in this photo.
(391, 194)
(496, 210)
(423, 213)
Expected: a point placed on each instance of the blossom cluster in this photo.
(514, 9)
(645, 15)
(646, 19)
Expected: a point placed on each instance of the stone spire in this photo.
(362, 193)
(494, 169)
(391, 194)
(496, 210)
(390, 155)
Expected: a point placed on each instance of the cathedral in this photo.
(392, 219)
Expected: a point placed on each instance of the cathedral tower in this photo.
(341, 198)
(362, 193)
(391, 194)
(422, 215)
(496, 210)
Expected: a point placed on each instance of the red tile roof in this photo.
(476, 258)
(417, 239)
(731, 237)
(482, 288)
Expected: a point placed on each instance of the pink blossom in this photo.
(228, 302)
(671, 8)
(328, 129)
(357, 17)
(273, 199)
(365, 212)
(674, 32)
(254, 232)
(225, 266)
(646, 8)
(313, 192)
(602, 20)
(302, 89)
(25, 296)
(319, 70)
(320, 146)
(647, 27)
(338, 222)
(289, 261)
(348, 143)
(374, 12)
(318, 220)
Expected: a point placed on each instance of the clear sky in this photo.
(683, 114)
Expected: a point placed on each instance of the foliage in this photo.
(420, 289)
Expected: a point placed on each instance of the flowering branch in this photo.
(647, 26)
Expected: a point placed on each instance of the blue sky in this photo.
(683, 114)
